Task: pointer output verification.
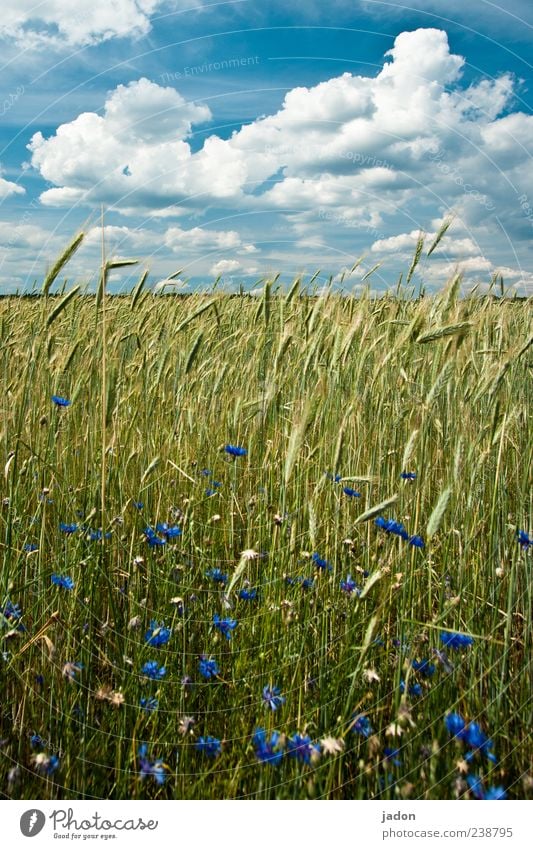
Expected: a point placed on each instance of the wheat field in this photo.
(266, 547)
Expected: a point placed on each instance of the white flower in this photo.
(332, 745)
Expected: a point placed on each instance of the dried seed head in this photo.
(103, 692)
(116, 698)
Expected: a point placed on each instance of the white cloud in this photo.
(171, 286)
(369, 142)
(46, 23)
(224, 266)
(7, 188)
(408, 144)
(196, 240)
(133, 154)
(470, 264)
(22, 235)
(449, 246)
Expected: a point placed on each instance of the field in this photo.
(165, 594)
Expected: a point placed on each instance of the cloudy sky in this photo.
(241, 139)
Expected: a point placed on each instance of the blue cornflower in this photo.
(495, 793)
(11, 611)
(225, 626)
(390, 526)
(138, 505)
(272, 698)
(152, 539)
(53, 761)
(267, 750)
(210, 746)
(414, 689)
(392, 755)
(157, 635)
(362, 726)
(455, 724)
(408, 476)
(97, 536)
(152, 670)
(301, 746)
(334, 478)
(248, 595)
(30, 546)
(524, 540)
(456, 641)
(149, 704)
(156, 769)
(307, 583)
(206, 473)
(36, 742)
(63, 581)
(168, 531)
(476, 738)
(349, 586)
(417, 541)
(235, 450)
(217, 575)
(320, 563)
(351, 493)
(61, 402)
(210, 492)
(425, 668)
(46, 764)
(207, 667)
(68, 529)
(476, 786)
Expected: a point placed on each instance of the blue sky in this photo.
(241, 139)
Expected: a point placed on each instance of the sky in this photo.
(239, 140)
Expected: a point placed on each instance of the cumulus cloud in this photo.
(196, 240)
(45, 23)
(7, 188)
(409, 143)
(449, 246)
(369, 142)
(225, 266)
(134, 153)
(171, 286)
